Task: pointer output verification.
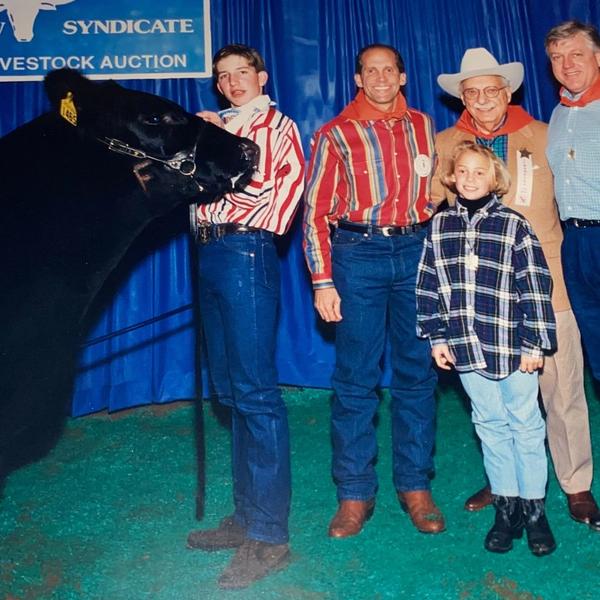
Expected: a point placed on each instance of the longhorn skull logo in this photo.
(23, 13)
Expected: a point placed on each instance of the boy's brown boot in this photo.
(227, 535)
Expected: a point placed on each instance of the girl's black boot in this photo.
(539, 536)
(508, 524)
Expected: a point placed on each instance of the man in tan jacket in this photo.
(485, 88)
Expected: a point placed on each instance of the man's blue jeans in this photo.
(375, 277)
(581, 266)
(239, 297)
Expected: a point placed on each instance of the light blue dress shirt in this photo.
(573, 152)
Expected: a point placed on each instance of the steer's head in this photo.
(217, 160)
(23, 13)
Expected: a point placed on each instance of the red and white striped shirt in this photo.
(271, 198)
(372, 172)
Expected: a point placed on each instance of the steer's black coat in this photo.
(70, 208)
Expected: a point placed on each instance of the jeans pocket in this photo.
(344, 238)
(244, 245)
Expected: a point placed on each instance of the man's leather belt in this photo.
(582, 223)
(385, 230)
(214, 231)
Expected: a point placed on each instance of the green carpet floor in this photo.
(106, 514)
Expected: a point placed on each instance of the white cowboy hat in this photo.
(478, 61)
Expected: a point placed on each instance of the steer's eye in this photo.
(152, 119)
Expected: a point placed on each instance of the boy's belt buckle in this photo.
(204, 234)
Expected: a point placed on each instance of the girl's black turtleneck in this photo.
(473, 206)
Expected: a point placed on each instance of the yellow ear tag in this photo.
(68, 110)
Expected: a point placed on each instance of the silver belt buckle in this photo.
(387, 231)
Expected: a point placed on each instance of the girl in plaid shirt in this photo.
(483, 300)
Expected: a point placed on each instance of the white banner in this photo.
(112, 39)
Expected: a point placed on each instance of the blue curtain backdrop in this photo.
(309, 48)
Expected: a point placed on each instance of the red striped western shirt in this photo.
(271, 198)
(372, 172)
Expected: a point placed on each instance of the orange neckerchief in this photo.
(360, 109)
(516, 118)
(591, 94)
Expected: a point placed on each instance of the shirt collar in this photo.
(490, 206)
(235, 116)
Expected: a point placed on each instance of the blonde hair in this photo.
(498, 170)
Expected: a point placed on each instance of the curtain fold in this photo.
(309, 48)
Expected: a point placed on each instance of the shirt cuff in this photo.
(322, 284)
(437, 338)
(532, 351)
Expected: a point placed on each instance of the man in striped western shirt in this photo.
(369, 178)
(239, 297)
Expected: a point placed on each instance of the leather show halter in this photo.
(183, 162)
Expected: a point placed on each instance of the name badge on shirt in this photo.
(471, 262)
(524, 178)
(422, 165)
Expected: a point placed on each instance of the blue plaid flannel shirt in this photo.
(491, 309)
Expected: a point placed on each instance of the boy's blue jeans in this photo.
(239, 297)
(509, 423)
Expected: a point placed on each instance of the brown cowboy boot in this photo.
(350, 517)
(583, 508)
(227, 535)
(423, 512)
(479, 499)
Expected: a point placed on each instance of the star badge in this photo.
(525, 153)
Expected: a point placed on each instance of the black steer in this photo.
(70, 209)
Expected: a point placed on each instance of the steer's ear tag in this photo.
(67, 109)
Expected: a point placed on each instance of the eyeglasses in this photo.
(490, 92)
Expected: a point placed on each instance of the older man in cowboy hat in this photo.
(485, 88)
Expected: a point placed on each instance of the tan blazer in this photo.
(542, 212)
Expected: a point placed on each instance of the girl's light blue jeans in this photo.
(509, 423)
